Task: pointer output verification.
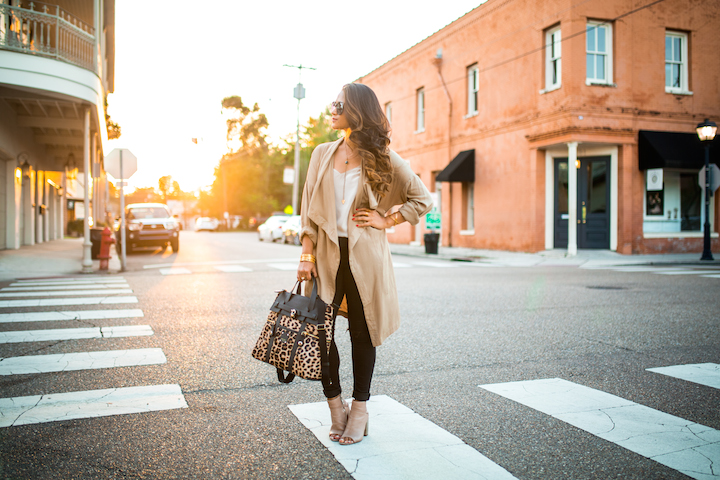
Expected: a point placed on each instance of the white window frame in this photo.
(420, 101)
(553, 56)
(388, 112)
(592, 28)
(684, 84)
(473, 86)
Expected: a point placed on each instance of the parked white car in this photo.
(291, 230)
(272, 228)
(206, 223)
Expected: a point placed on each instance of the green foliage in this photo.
(249, 179)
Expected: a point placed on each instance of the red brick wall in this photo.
(516, 123)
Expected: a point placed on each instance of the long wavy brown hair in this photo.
(370, 135)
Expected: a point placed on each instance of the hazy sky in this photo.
(176, 61)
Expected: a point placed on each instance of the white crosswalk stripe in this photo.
(65, 362)
(49, 288)
(69, 315)
(232, 268)
(284, 266)
(75, 333)
(65, 281)
(408, 445)
(85, 404)
(175, 271)
(54, 302)
(689, 272)
(682, 445)
(88, 404)
(66, 293)
(703, 373)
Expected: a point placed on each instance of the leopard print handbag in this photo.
(297, 335)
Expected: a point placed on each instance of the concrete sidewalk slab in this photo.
(49, 259)
(548, 258)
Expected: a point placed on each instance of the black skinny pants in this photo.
(363, 352)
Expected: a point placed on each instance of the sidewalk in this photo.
(49, 259)
(547, 258)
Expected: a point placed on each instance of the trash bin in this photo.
(431, 242)
(95, 239)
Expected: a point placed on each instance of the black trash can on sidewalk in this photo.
(95, 239)
(431, 242)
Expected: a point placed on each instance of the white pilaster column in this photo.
(93, 161)
(39, 200)
(572, 198)
(28, 194)
(87, 264)
(48, 205)
(63, 207)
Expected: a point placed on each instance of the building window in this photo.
(676, 63)
(599, 53)
(678, 207)
(388, 112)
(473, 84)
(420, 110)
(469, 204)
(553, 62)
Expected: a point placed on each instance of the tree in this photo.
(164, 185)
(143, 195)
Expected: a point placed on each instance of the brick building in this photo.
(561, 123)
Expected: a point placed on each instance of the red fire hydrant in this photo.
(105, 242)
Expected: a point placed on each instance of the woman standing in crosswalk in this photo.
(352, 190)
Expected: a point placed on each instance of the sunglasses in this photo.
(338, 106)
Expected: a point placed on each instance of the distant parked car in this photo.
(272, 228)
(149, 225)
(206, 223)
(291, 230)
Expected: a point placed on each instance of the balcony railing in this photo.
(47, 31)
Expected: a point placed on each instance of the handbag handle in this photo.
(313, 293)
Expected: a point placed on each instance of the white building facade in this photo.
(56, 69)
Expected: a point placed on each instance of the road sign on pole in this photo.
(121, 164)
(714, 178)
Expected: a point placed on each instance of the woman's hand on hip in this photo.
(306, 271)
(371, 218)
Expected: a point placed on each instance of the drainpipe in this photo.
(437, 61)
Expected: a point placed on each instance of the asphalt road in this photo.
(462, 326)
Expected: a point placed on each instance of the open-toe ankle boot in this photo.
(339, 417)
(357, 424)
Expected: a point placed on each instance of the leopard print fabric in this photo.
(284, 333)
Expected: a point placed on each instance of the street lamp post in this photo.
(706, 132)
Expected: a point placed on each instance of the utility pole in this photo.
(299, 93)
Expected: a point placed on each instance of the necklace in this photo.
(347, 159)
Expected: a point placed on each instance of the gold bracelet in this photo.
(307, 257)
(394, 219)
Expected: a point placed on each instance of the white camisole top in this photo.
(350, 179)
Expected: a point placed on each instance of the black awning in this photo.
(461, 169)
(674, 150)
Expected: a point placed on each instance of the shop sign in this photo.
(432, 219)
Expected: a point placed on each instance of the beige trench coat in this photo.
(370, 260)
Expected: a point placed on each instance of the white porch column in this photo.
(13, 206)
(48, 204)
(87, 264)
(572, 198)
(93, 161)
(39, 200)
(62, 208)
(52, 211)
(28, 193)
